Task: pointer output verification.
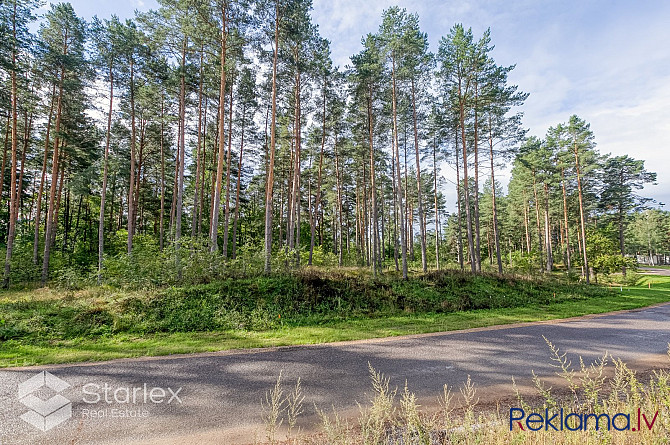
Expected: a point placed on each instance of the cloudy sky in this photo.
(606, 61)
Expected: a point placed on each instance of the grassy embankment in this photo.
(47, 326)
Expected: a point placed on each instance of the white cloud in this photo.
(604, 61)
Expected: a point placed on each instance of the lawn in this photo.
(47, 326)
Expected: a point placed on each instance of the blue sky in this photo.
(607, 61)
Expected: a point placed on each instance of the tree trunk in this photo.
(297, 169)
(54, 175)
(290, 171)
(76, 225)
(317, 199)
(459, 234)
(312, 213)
(103, 191)
(68, 219)
(437, 215)
(137, 223)
(28, 122)
(409, 217)
(162, 148)
(367, 218)
(226, 209)
(239, 181)
(175, 183)
(620, 217)
(537, 219)
(283, 198)
(547, 230)
(131, 183)
(376, 260)
(4, 155)
(466, 191)
(215, 166)
(216, 202)
(182, 150)
(338, 184)
(478, 252)
(621, 236)
(422, 216)
(395, 208)
(294, 200)
(403, 243)
(496, 235)
(59, 194)
(271, 165)
(565, 218)
(203, 170)
(582, 217)
(196, 203)
(13, 207)
(526, 223)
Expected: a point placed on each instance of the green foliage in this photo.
(149, 267)
(320, 257)
(604, 254)
(23, 270)
(525, 263)
(649, 232)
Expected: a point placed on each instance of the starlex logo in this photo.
(579, 421)
(44, 414)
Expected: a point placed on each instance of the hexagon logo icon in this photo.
(45, 414)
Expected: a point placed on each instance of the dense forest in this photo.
(216, 138)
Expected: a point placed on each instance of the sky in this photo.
(606, 61)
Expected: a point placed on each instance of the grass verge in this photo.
(96, 324)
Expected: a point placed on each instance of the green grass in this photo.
(45, 327)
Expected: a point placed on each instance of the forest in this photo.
(214, 139)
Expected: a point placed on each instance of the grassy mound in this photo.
(269, 302)
(43, 326)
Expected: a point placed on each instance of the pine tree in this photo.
(366, 77)
(273, 135)
(62, 52)
(579, 137)
(108, 36)
(455, 59)
(503, 131)
(622, 176)
(19, 15)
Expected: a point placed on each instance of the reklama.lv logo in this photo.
(578, 421)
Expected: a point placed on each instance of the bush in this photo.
(72, 278)
(525, 263)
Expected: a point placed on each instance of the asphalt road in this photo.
(655, 271)
(220, 396)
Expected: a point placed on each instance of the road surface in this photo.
(220, 396)
(655, 271)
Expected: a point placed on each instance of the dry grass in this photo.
(393, 417)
